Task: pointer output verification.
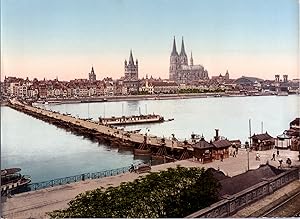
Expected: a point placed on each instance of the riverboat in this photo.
(131, 120)
(282, 93)
(12, 181)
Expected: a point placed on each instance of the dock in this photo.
(105, 133)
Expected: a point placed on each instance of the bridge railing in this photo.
(76, 178)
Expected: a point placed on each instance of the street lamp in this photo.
(247, 148)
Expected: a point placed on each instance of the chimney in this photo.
(217, 135)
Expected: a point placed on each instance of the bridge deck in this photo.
(117, 133)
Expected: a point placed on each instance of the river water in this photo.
(46, 152)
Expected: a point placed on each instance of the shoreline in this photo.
(144, 97)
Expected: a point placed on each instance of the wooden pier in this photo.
(107, 134)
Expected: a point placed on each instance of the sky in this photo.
(65, 38)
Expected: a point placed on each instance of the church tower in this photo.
(92, 75)
(174, 59)
(131, 69)
(183, 56)
(191, 60)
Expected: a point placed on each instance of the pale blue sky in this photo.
(49, 38)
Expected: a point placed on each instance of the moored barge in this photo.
(131, 120)
(13, 181)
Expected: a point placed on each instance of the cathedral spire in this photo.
(182, 52)
(174, 51)
(130, 61)
(191, 60)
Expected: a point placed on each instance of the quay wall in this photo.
(232, 203)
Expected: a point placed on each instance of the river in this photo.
(46, 152)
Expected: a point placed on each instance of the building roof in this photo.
(222, 143)
(219, 175)
(284, 136)
(202, 144)
(295, 122)
(245, 180)
(262, 137)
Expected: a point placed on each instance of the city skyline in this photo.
(64, 39)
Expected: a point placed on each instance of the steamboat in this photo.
(131, 120)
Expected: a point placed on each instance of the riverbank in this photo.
(35, 204)
(145, 97)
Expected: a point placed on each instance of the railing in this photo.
(76, 178)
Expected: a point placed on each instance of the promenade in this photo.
(36, 203)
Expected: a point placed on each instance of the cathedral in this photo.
(180, 71)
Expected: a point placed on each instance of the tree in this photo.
(176, 192)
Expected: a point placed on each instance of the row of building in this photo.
(184, 77)
(80, 88)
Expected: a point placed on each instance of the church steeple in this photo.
(182, 52)
(174, 50)
(191, 60)
(183, 57)
(130, 61)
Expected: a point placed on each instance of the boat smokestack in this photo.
(217, 135)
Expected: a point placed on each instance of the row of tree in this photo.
(176, 192)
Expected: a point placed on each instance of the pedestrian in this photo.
(273, 158)
(221, 157)
(237, 150)
(131, 169)
(280, 163)
(277, 153)
(257, 156)
(234, 155)
(289, 162)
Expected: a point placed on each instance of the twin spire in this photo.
(174, 50)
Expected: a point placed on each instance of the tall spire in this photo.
(92, 70)
(191, 60)
(130, 58)
(174, 51)
(182, 52)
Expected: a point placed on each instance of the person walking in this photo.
(273, 157)
(257, 156)
(280, 163)
(277, 153)
(289, 162)
(221, 157)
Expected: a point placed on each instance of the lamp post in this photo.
(247, 148)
